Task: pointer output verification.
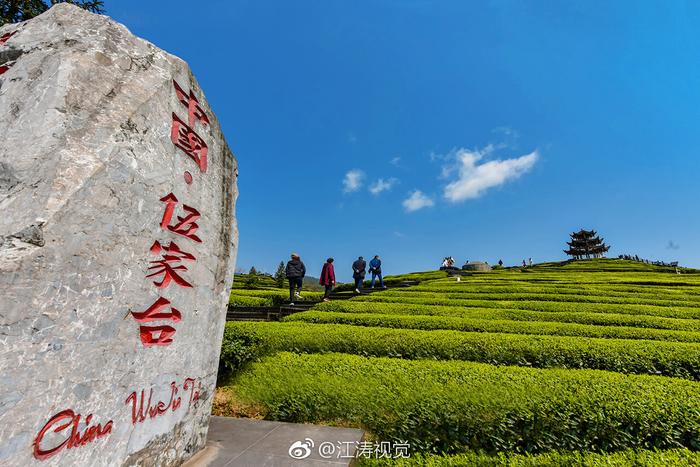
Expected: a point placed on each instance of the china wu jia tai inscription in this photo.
(117, 245)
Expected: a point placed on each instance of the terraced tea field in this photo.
(592, 362)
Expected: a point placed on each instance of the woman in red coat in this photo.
(327, 278)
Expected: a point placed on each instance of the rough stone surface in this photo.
(86, 156)
(476, 266)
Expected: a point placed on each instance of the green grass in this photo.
(577, 363)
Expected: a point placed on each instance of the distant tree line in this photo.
(14, 11)
(255, 279)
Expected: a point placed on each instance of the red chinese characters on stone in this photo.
(6, 37)
(157, 335)
(3, 39)
(183, 134)
(59, 424)
(185, 226)
(186, 139)
(155, 312)
(168, 266)
(5, 67)
(195, 112)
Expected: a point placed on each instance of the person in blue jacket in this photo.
(375, 267)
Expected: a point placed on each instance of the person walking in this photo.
(375, 267)
(327, 278)
(358, 272)
(295, 272)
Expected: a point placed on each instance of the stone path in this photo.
(240, 442)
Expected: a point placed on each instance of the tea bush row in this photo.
(626, 458)
(492, 325)
(678, 359)
(538, 305)
(690, 294)
(551, 297)
(267, 297)
(452, 407)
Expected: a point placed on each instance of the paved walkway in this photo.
(240, 442)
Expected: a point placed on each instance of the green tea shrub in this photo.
(582, 317)
(237, 349)
(267, 297)
(677, 359)
(536, 305)
(491, 325)
(452, 407)
(626, 458)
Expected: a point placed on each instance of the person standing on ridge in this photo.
(295, 272)
(529, 261)
(375, 267)
(358, 272)
(500, 262)
(327, 278)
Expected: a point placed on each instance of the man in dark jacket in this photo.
(375, 267)
(358, 272)
(327, 278)
(295, 273)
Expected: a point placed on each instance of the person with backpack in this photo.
(295, 272)
(327, 278)
(375, 267)
(358, 272)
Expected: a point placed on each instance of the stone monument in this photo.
(117, 246)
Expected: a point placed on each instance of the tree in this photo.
(14, 11)
(280, 275)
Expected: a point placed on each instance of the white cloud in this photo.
(417, 200)
(395, 161)
(474, 178)
(382, 185)
(353, 180)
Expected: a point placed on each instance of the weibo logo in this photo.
(301, 449)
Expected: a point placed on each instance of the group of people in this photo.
(296, 271)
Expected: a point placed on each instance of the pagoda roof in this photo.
(584, 233)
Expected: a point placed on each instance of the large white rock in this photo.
(89, 174)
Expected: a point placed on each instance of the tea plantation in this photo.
(593, 362)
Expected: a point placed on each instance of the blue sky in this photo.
(486, 129)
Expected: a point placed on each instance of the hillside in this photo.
(586, 356)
